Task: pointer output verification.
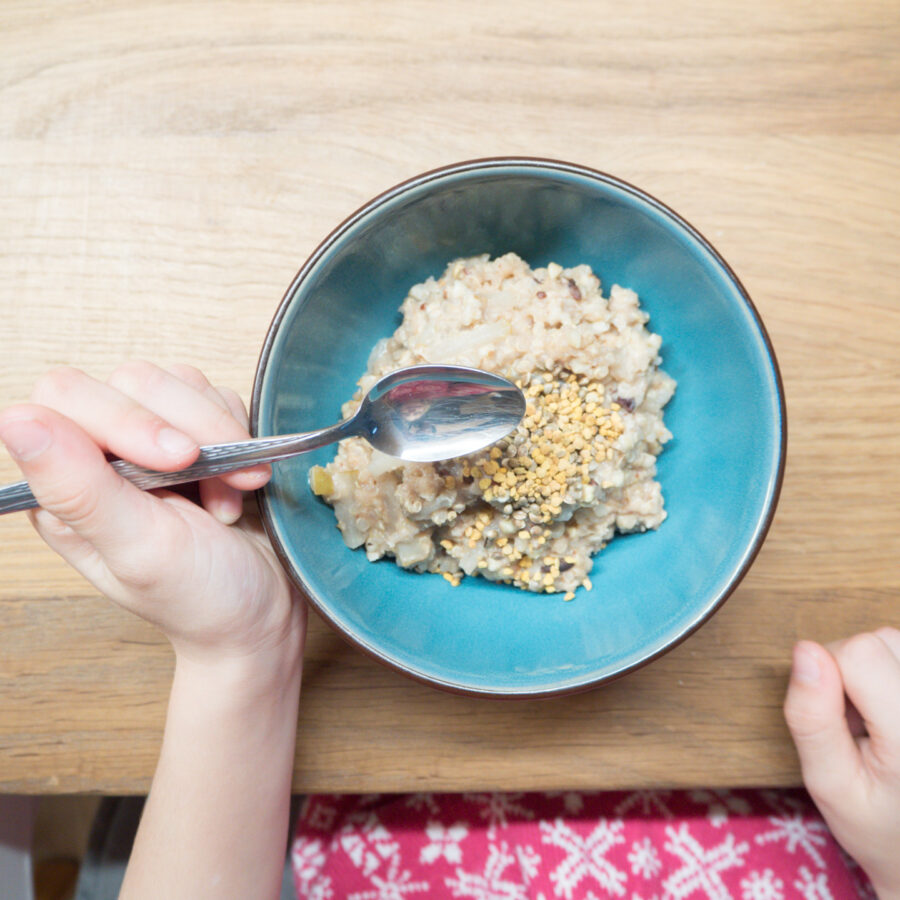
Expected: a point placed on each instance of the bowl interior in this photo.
(719, 474)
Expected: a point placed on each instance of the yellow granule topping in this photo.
(540, 468)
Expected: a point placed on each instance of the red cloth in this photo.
(637, 845)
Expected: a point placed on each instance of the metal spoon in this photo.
(419, 414)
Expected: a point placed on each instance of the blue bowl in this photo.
(720, 475)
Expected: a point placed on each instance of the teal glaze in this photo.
(720, 474)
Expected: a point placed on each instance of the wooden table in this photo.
(165, 167)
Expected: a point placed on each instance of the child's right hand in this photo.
(214, 588)
(850, 757)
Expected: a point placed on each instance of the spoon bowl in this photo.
(430, 413)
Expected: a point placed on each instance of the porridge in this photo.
(534, 508)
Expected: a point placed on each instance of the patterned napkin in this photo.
(637, 845)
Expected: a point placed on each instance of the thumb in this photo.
(816, 718)
(70, 479)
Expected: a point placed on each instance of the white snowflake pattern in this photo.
(423, 801)
(444, 842)
(496, 809)
(763, 885)
(320, 889)
(395, 885)
(307, 858)
(813, 887)
(795, 832)
(700, 865)
(529, 861)
(585, 857)
(644, 859)
(322, 816)
(369, 845)
(719, 804)
(492, 884)
(573, 801)
(639, 897)
(782, 801)
(645, 801)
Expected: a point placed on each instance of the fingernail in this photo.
(806, 666)
(174, 442)
(228, 510)
(262, 474)
(25, 438)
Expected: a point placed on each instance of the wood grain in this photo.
(165, 167)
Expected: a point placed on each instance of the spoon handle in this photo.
(215, 459)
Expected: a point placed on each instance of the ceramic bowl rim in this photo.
(539, 164)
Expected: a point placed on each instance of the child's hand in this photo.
(850, 756)
(216, 591)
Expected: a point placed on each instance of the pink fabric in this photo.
(637, 845)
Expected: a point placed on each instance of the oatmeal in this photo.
(534, 508)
